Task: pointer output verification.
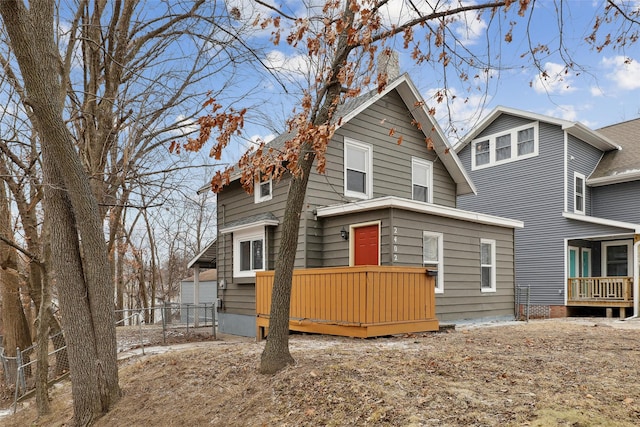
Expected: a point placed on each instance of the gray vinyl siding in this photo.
(462, 298)
(391, 162)
(581, 158)
(532, 190)
(620, 202)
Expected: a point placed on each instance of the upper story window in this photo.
(487, 265)
(263, 190)
(358, 166)
(514, 144)
(578, 193)
(432, 256)
(421, 180)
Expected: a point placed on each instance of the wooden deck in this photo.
(600, 292)
(360, 302)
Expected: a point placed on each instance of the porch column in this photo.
(636, 273)
(196, 296)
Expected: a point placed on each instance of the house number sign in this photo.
(395, 244)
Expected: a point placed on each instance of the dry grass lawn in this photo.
(541, 373)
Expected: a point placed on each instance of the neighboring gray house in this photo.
(378, 203)
(577, 191)
(207, 294)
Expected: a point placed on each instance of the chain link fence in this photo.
(135, 329)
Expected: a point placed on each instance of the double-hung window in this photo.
(482, 154)
(503, 147)
(579, 193)
(526, 142)
(432, 256)
(507, 146)
(422, 178)
(358, 165)
(262, 190)
(249, 252)
(487, 265)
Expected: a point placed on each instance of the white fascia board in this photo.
(411, 97)
(614, 179)
(603, 221)
(415, 206)
(261, 223)
(591, 137)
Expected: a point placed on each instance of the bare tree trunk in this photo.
(84, 283)
(276, 353)
(16, 327)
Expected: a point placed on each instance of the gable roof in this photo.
(416, 105)
(621, 165)
(576, 129)
(207, 257)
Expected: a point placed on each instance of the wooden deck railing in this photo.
(600, 291)
(354, 301)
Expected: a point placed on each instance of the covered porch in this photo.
(363, 301)
(603, 273)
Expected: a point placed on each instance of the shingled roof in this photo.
(619, 165)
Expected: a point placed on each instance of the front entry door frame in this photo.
(352, 240)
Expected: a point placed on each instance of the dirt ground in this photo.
(563, 372)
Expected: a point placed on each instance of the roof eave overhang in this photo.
(613, 179)
(635, 228)
(415, 206)
(591, 137)
(239, 227)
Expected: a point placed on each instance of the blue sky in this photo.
(603, 87)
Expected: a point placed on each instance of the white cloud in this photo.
(457, 114)
(570, 113)
(596, 91)
(296, 65)
(470, 27)
(623, 71)
(564, 112)
(554, 79)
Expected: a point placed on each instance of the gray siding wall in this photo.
(391, 162)
(531, 190)
(581, 158)
(620, 202)
(391, 176)
(462, 298)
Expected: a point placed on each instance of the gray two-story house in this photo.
(379, 203)
(577, 191)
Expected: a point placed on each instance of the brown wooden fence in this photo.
(362, 301)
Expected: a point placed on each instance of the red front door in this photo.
(366, 249)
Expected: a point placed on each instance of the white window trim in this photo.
(257, 192)
(493, 265)
(576, 249)
(439, 289)
(514, 146)
(369, 169)
(577, 175)
(429, 165)
(251, 233)
(603, 251)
